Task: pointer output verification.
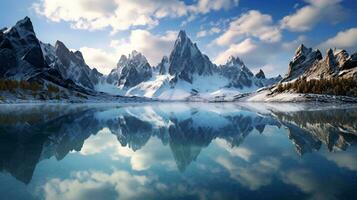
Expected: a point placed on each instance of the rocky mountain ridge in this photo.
(310, 64)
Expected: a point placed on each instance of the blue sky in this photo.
(264, 34)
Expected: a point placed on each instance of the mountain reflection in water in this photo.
(186, 151)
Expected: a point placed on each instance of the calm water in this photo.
(178, 151)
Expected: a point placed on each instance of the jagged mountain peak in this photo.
(302, 61)
(79, 55)
(234, 61)
(186, 60)
(260, 74)
(60, 45)
(163, 65)
(181, 36)
(25, 24)
(135, 55)
(123, 59)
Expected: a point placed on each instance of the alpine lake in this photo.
(178, 151)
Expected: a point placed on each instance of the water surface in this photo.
(178, 151)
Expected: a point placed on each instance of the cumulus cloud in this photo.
(345, 40)
(253, 176)
(241, 152)
(96, 185)
(271, 57)
(252, 23)
(122, 14)
(307, 17)
(240, 49)
(204, 33)
(311, 183)
(204, 6)
(99, 58)
(154, 47)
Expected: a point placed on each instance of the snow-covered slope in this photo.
(131, 70)
(187, 74)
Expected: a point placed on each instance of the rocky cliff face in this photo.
(240, 76)
(71, 65)
(336, 63)
(187, 73)
(186, 60)
(303, 59)
(310, 64)
(22, 58)
(260, 74)
(130, 71)
(20, 52)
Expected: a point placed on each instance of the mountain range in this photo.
(186, 74)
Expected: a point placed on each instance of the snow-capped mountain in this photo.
(130, 71)
(186, 60)
(70, 64)
(338, 68)
(241, 77)
(336, 63)
(310, 64)
(22, 58)
(20, 52)
(303, 59)
(189, 74)
(186, 74)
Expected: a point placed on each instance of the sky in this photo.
(263, 33)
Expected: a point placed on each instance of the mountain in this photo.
(188, 74)
(130, 71)
(71, 65)
(241, 77)
(311, 77)
(21, 58)
(186, 60)
(310, 64)
(31, 71)
(336, 63)
(20, 52)
(302, 61)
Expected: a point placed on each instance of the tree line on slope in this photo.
(331, 86)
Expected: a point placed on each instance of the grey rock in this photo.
(186, 60)
(304, 58)
(260, 74)
(130, 71)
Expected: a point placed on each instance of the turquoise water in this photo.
(178, 151)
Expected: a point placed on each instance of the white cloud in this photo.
(307, 17)
(311, 183)
(204, 33)
(291, 45)
(154, 47)
(252, 23)
(122, 14)
(241, 152)
(240, 49)
(96, 185)
(343, 159)
(205, 6)
(254, 175)
(345, 40)
(273, 58)
(100, 59)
